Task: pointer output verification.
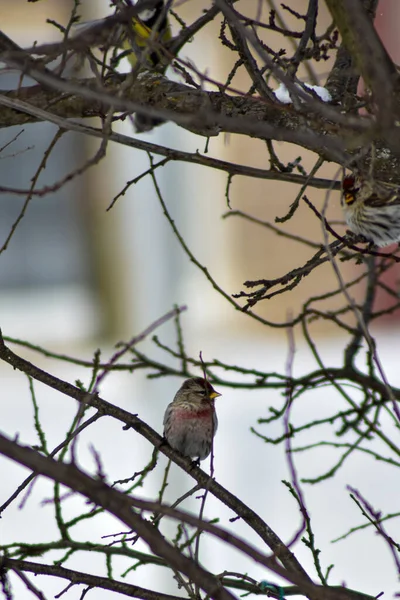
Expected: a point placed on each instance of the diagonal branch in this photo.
(132, 421)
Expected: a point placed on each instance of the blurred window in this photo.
(46, 269)
(49, 246)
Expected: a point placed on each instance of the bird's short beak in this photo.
(214, 394)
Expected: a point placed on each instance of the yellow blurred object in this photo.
(142, 37)
(150, 31)
(150, 27)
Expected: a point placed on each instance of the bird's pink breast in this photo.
(204, 413)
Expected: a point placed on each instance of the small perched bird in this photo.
(190, 421)
(372, 209)
(141, 30)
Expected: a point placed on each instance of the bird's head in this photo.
(350, 187)
(197, 389)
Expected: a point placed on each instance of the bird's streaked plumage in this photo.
(372, 209)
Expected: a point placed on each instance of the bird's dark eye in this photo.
(350, 195)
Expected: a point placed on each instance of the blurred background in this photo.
(75, 277)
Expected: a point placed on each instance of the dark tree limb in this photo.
(370, 56)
